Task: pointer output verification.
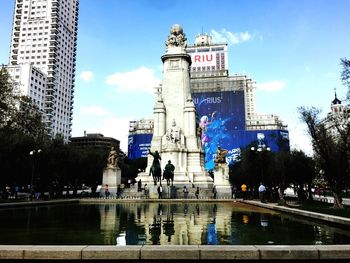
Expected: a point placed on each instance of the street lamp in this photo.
(33, 153)
(260, 150)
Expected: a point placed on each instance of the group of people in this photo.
(249, 192)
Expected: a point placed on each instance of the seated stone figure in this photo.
(220, 156)
(173, 134)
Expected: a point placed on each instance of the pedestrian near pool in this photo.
(197, 193)
(262, 190)
(107, 193)
(185, 191)
(244, 191)
(214, 192)
(160, 191)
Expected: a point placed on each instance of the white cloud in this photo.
(95, 110)
(87, 76)
(272, 86)
(139, 80)
(96, 119)
(116, 127)
(299, 139)
(230, 37)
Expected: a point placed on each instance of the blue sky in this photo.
(292, 48)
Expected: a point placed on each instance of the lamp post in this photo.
(33, 153)
(261, 150)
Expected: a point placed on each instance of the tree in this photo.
(8, 97)
(301, 171)
(331, 144)
(29, 120)
(345, 74)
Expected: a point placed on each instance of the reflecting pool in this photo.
(162, 224)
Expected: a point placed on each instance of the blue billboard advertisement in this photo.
(138, 145)
(220, 108)
(276, 140)
(219, 115)
(221, 122)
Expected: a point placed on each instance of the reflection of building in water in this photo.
(108, 223)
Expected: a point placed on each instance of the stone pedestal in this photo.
(112, 178)
(221, 180)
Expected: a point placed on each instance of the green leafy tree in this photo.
(8, 97)
(301, 172)
(345, 74)
(331, 144)
(28, 120)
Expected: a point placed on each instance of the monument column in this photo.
(175, 135)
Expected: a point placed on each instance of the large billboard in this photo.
(221, 120)
(203, 59)
(219, 115)
(207, 59)
(138, 145)
(234, 141)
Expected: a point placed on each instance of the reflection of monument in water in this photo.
(175, 133)
(157, 223)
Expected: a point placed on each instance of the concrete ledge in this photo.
(228, 252)
(334, 252)
(288, 252)
(12, 252)
(170, 252)
(173, 252)
(111, 252)
(53, 252)
(318, 216)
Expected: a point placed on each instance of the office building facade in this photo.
(44, 35)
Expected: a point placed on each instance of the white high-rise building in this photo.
(31, 82)
(44, 35)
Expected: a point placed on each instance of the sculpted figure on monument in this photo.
(177, 37)
(112, 160)
(155, 170)
(173, 133)
(220, 156)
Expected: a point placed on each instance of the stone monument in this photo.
(221, 173)
(174, 134)
(111, 174)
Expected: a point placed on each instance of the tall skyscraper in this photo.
(44, 35)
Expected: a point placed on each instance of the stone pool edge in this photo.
(313, 215)
(175, 252)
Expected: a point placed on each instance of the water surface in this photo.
(162, 224)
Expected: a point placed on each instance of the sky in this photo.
(291, 48)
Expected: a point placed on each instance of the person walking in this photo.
(145, 189)
(214, 192)
(197, 193)
(185, 191)
(107, 193)
(160, 191)
(262, 190)
(244, 191)
(139, 186)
